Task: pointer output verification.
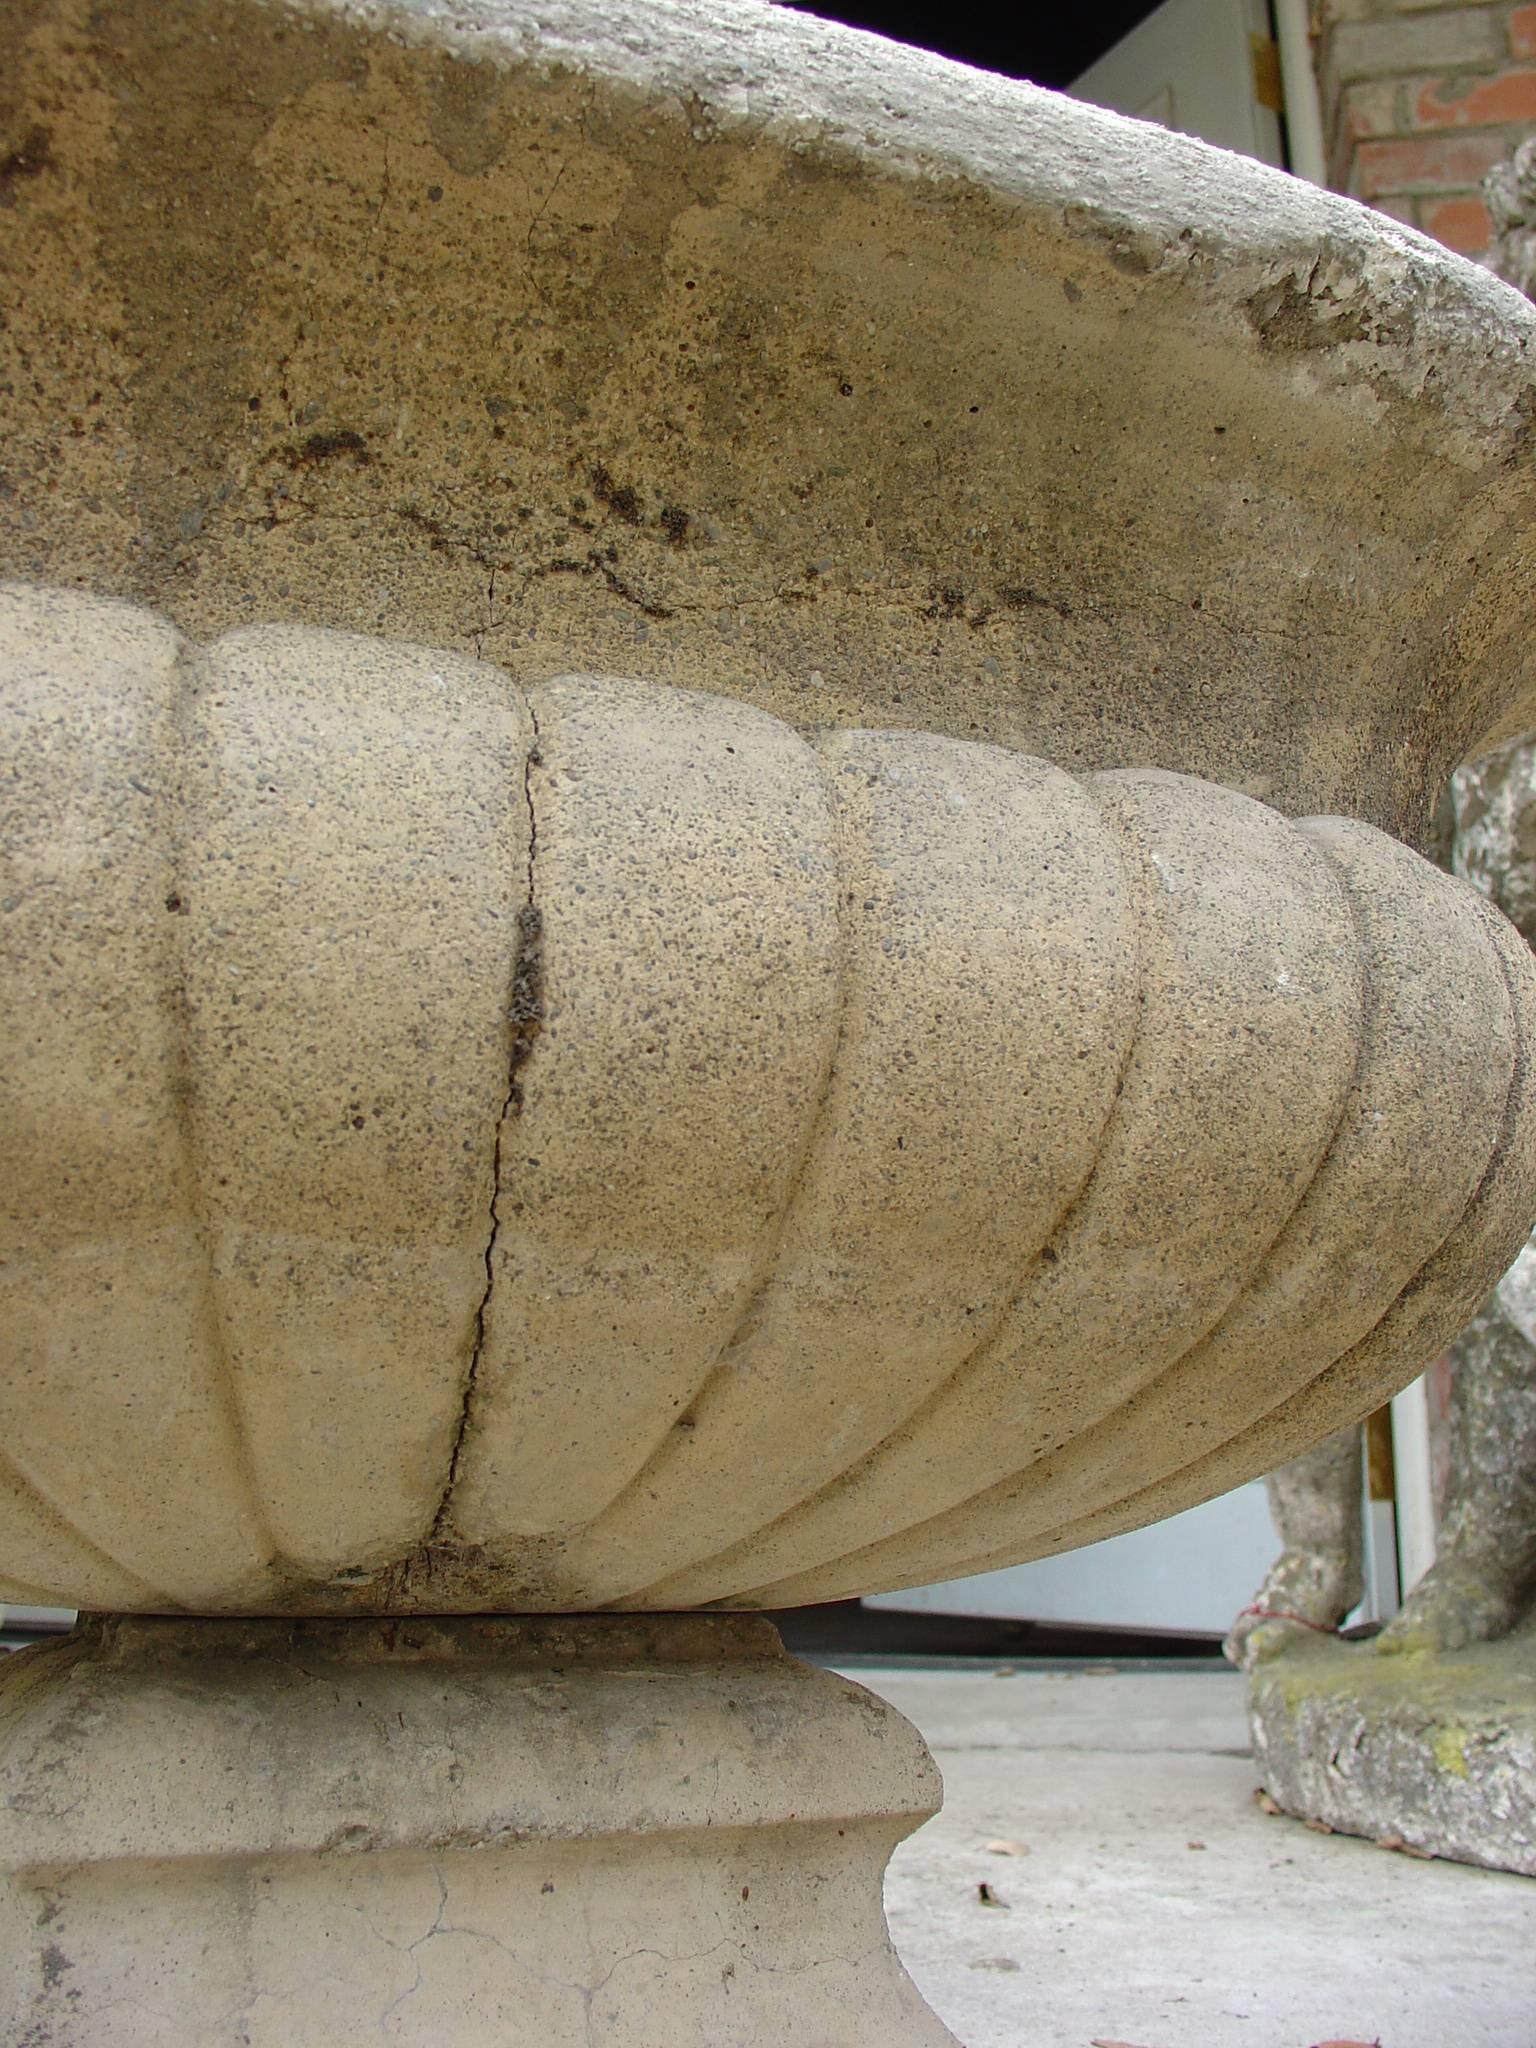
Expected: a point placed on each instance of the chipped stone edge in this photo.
(738, 65)
(1423, 1751)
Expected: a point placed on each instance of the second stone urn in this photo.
(707, 738)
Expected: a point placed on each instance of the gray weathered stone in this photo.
(1510, 192)
(1318, 1577)
(1435, 1750)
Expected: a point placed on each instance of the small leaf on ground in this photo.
(1263, 1802)
(1405, 1848)
(1003, 1846)
(1194, 1845)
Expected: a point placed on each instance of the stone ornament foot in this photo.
(1483, 1580)
(1459, 1601)
(530, 1834)
(1318, 1576)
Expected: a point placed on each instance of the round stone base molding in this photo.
(293, 1835)
(1434, 1749)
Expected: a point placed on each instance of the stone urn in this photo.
(712, 742)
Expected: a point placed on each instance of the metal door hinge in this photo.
(1268, 90)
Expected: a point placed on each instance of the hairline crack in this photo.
(525, 1018)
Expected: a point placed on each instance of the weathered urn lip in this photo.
(726, 346)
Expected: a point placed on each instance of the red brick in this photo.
(1476, 102)
(1522, 32)
(1428, 163)
(1460, 223)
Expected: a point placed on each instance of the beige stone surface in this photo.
(702, 340)
(588, 1144)
(894, 1090)
(443, 1835)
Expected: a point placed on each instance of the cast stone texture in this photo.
(468, 1125)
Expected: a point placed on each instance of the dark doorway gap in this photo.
(1048, 48)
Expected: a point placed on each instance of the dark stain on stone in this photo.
(30, 160)
(467, 117)
(525, 1011)
(622, 500)
(1524, 414)
(674, 524)
(601, 563)
(318, 448)
(646, 606)
(438, 536)
(54, 1964)
(437, 1574)
(1020, 597)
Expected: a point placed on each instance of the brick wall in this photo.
(1420, 100)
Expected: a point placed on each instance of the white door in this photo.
(1205, 67)
(1191, 1575)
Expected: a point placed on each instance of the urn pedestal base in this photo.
(1436, 1749)
(554, 1833)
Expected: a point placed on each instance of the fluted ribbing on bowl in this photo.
(595, 1145)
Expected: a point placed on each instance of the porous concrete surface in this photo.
(1112, 1927)
(635, 1832)
(588, 1144)
(706, 339)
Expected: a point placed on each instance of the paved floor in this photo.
(1156, 1905)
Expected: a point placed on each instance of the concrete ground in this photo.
(1152, 1904)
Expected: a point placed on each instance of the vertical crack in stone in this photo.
(525, 1018)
